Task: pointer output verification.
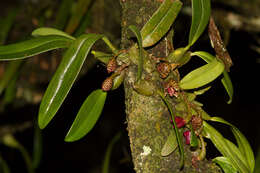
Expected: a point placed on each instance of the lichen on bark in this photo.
(147, 116)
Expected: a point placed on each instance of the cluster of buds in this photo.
(116, 77)
(196, 122)
(172, 88)
(164, 69)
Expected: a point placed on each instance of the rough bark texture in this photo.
(147, 117)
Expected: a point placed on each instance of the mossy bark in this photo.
(147, 117)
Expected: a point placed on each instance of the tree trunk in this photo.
(147, 117)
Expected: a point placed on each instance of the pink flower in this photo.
(187, 135)
(171, 91)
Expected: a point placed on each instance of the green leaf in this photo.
(207, 57)
(107, 158)
(44, 31)
(202, 75)
(160, 23)
(200, 18)
(80, 10)
(194, 139)
(64, 77)
(11, 71)
(226, 81)
(177, 133)
(3, 166)
(87, 115)
(101, 56)
(10, 91)
(225, 164)
(242, 142)
(237, 152)
(170, 144)
(226, 148)
(10, 141)
(118, 80)
(137, 33)
(32, 47)
(6, 24)
(86, 21)
(202, 91)
(63, 13)
(257, 161)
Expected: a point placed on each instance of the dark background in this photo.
(86, 155)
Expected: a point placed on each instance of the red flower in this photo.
(187, 135)
(180, 122)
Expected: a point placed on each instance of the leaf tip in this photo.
(41, 123)
(69, 138)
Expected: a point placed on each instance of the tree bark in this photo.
(147, 117)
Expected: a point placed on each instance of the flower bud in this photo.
(107, 84)
(164, 69)
(172, 88)
(196, 122)
(187, 136)
(111, 65)
(180, 122)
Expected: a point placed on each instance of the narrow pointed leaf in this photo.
(32, 47)
(80, 10)
(160, 23)
(137, 33)
(242, 142)
(11, 71)
(207, 57)
(226, 81)
(236, 152)
(202, 91)
(44, 31)
(6, 24)
(202, 75)
(64, 77)
(63, 13)
(87, 116)
(225, 164)
(226, 148)
(200, 18)
(177, 133)
(156, 18)
(170, 144)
